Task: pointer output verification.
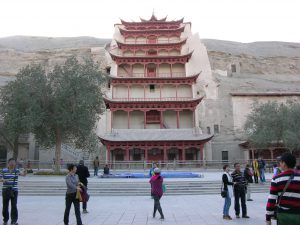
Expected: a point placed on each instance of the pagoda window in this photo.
(129, 40)
(208, 130)
(152, 40)
(216, 129)
(152, 88)
(174, 39)
(153, 116)
(233, 68)
(128, 53)
(152, 52)
(151, 70)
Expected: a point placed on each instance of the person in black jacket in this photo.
(239, 191)
(227, 186)
(83, 173)
(248, 176)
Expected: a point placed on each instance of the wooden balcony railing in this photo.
(153, 99)
(158, 75)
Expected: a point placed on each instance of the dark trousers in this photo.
(240, 193)
(256, 179)
(157, 206)
(14, 209)
(96, 171)
(71, 198)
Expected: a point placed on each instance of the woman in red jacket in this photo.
(157, 191)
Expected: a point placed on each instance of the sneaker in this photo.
(237, 216)
(246, 217)
(249, 199)
(229, 217)
(153, 215)
(162, 217)
(85, 211)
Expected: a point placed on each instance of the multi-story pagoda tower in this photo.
(151, 101)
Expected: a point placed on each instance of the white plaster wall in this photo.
(162, 39)
(137, 91)
(184, 91)
(129, 40)
(120, 120)
(169, 118)
(136, 120)
(138, 68)
(128, 53)
(140, 53)
(164, 68)
(178, 68)
(242, 106)
(168, 91)
(120, 91)
(186, 119)
(174, 52)
(141, 40)
(123, 70)
(163, 52)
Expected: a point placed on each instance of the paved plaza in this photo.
(181, 210)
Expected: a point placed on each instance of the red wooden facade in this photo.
(125, 55)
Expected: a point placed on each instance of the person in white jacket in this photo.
(227, 186)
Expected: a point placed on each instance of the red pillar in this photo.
(183, 154)
(127, 154)
(128, 119)
(161, 120)
(144, 71)
(108, 153)
(144, 91)
(177, 118)
(176, 91)
(201, 152)
(111, 119)
(165, 153)
(144, 119)
(194, 120)
(171, 70)
(128, 92)
(160, 91)
(272, 153)
(146, 154)
(157, 72)
(131, 70)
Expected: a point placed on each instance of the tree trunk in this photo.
(57, 150)
(16, 148)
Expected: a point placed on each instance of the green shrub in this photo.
(51, 173)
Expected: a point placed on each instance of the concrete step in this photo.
(104, 187)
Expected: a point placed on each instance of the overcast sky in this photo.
(235, 20)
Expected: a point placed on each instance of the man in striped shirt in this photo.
(289, 207)
(9, 177)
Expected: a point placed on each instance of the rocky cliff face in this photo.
(253, 58)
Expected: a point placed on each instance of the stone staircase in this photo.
(127, 187)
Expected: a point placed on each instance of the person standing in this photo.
(106, 170)
(248, 176)
(261, 166)
(227, 186)
(284, 193)
(73, 186)
(239, 191)
(255, 170)
(151, 171)
(83, 173)
(9, 177)
(156, 182)
(96, 164)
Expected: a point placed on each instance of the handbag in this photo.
(223, 192)
(277, 206)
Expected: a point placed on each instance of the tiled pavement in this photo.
(181, 210)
